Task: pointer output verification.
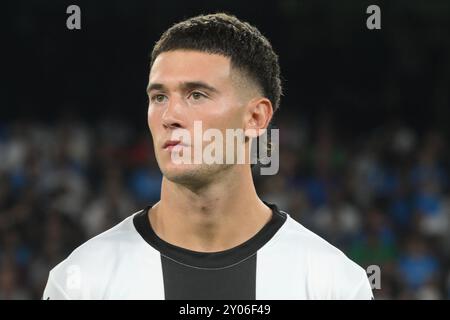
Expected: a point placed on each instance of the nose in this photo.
(173, 115)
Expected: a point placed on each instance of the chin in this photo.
(192, 174)
(181, 173)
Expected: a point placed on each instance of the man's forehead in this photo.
(187, 65)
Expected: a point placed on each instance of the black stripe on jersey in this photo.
(229, 274)
(237, 282)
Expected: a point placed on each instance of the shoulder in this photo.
(330, 273)
(92, 264)
(108, 243)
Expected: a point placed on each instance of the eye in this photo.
(196, 95)
(158, 98)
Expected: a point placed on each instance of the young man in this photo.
(210, 236)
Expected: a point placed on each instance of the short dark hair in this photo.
(225, 34)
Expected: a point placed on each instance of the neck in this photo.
(220, 216)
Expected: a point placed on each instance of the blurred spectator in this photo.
(418, 268)
(10, 287)
(376, 243)
(382, 199)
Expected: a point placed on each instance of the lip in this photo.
(170, 144)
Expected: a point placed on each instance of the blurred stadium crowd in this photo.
(382, 197)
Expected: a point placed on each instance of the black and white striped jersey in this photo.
(284, 260)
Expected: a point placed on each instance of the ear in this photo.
(258, 114)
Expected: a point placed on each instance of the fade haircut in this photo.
(224, 34)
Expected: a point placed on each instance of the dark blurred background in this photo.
(363, 130)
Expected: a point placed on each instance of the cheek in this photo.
(223, 115)
(152, 119)
(228, 120)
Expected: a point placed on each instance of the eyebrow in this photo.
(184, 86)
